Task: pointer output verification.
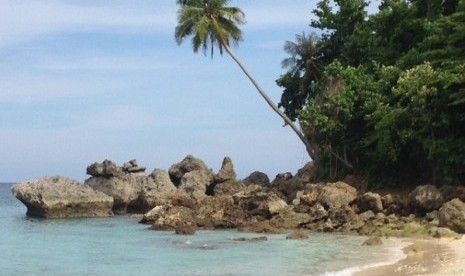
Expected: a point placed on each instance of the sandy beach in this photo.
(442, 257)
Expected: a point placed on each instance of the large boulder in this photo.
(188, 164)
(306, 173)
(370, 201)
(228, 188)
(452, 215)
(59, 197)
(169, 217)
(426, 198)
(132, 167)
(257, 178)
(226, 172)
(196, 182)
(157, 190)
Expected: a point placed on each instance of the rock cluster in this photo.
(190, 196)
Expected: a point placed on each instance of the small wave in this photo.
(396, 254)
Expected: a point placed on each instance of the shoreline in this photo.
(435, 257)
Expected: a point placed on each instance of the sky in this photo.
(82, 81)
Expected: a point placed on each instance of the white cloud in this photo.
(23, 20)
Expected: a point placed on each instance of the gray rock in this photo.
(125, 190)
(257, 202)
(298, 235)
(373, 241)
(228, 188)
(59, 197)
(196, 182)
(337, 195)
(188, 164)
(105, 169)
(370, 201)
(226, 172)
(306, 173)
(258, 178)
(169, 217)
(132, 167)
(452, 215)
(426, 198)
(157, 190)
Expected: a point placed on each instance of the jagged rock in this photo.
(289, 187)
(188, 164)
(256, 202)
(426, 198)
(452, 215)
(257, 178)
(125, 190)
(337, 195)
(105, 169)
(59, 197)
(169, 217)
(228, 188)
(370, 201)
(298, 235)
(226, 172)
(283, 176)
(342, 215)
(387, 200)
(132, 167)
(306, 173)
(219, 212)
(196, 182)
(289, 219)
(373, 241)
(157, 190)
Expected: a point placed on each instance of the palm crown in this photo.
(210, 24)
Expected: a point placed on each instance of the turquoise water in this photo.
(121, 246)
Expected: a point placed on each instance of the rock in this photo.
(59, 197)
(256, 202)
(442, 232)
(219, 212)
(340, 216)
(254, 239)
(132, 167)
(290, 219)
(228, 188)
(452, 215)
(298, 235)
(373, 241)
(257, 178)
(370, 201)
(305, 174)
(426, 198)
(367, 215)
(283, 176)
(387, 200)
(337, 195)
(105, 169)
(261, 227)
(169, 217)
(289, 187)
(157, 190)
(125, 190)
(188, 164)
(226, 172)
(196, 182)
(188, 229)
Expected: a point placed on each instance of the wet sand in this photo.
(443, 257)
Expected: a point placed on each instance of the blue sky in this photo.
(83, 81)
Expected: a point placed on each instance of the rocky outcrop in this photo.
(169, 217)
(105, 169)
(59, 197)
(227, 172)
(255, 201)
(132, 167)
(257, 178)
(157, 190)
(452, 215)
(188, 164)
(426, 198)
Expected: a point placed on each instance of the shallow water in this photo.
(121, 246)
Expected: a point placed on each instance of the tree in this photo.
(212, 24)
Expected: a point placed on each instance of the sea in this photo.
(121, 246)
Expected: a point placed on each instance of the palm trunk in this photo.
(275, 108)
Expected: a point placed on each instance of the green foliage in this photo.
(390, 101)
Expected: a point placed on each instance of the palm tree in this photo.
(212, 24)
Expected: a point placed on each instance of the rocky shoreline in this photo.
(190, 196)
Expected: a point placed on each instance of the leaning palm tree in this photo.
(212, 24)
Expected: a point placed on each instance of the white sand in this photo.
(444, 257)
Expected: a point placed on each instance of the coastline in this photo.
(435, 257)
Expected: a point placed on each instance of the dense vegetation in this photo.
(382, 96)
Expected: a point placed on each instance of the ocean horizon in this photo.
(121, 246)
